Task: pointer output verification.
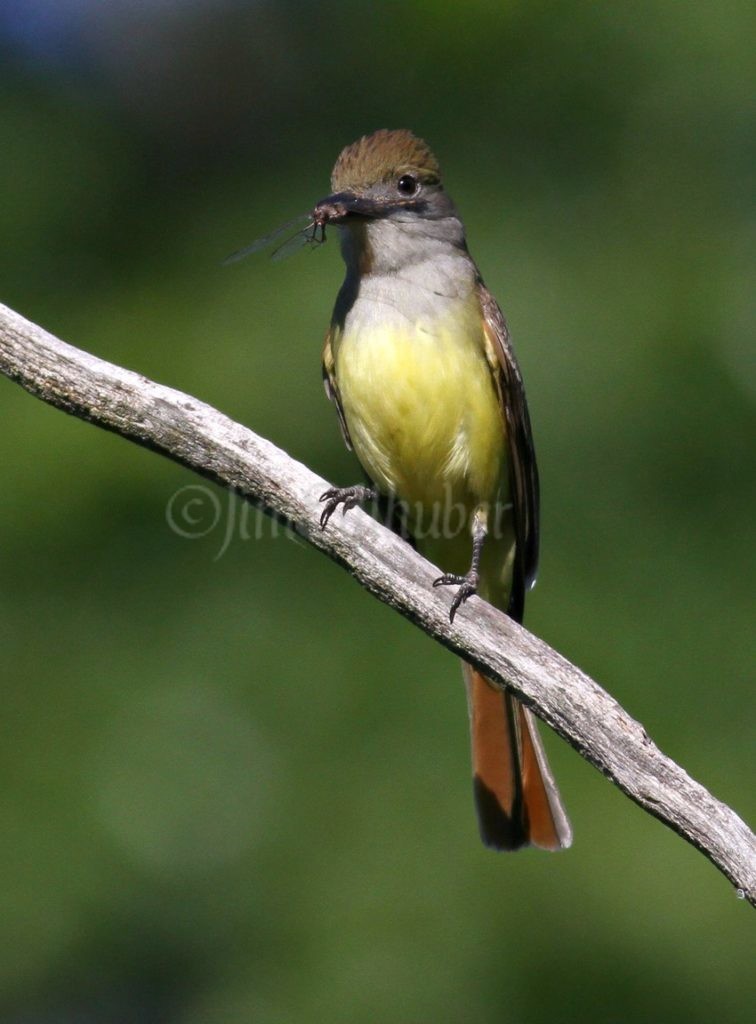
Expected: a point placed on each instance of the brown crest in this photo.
(380, 156)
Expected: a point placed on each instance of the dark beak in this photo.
(339, 207)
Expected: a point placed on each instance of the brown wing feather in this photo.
(523, 471)
(331, 387)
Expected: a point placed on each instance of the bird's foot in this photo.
(468, 585)
(348, 497)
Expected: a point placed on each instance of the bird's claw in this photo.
(468, 585)
(348, 497)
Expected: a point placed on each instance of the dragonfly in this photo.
(310, 233)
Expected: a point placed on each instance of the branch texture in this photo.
(206, 441)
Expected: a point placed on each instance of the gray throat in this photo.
(418, 269)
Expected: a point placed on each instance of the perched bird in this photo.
(419, 364)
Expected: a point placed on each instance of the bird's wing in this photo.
(331, 387)
(523, 472)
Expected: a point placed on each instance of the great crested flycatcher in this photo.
(419, 364)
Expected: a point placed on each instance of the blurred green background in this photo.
(235, 787)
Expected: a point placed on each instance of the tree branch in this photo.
(203, 439)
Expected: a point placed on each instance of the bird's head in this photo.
(387, 192)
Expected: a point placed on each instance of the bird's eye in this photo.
(407, 185)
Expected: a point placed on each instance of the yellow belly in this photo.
(423, 413)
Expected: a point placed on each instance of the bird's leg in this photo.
(346, 496)
(468, 584)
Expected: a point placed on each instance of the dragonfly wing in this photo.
(303, 220)
(297, 241)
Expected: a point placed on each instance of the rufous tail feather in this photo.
(517, 799)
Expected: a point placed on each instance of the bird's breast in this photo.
(420, 401)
